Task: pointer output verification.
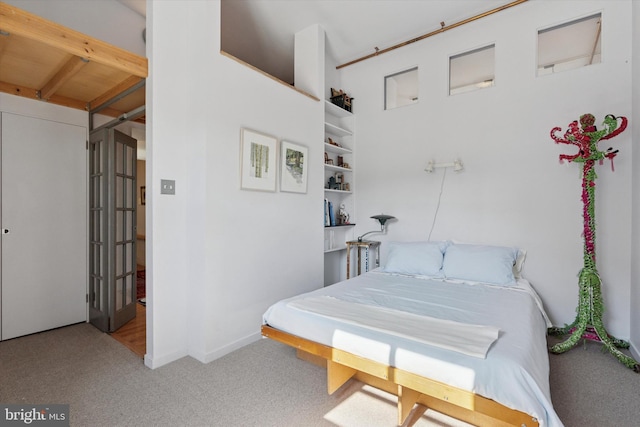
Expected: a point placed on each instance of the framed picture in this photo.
(258, 161)
(293, 167)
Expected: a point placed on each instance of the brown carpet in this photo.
(261, 385)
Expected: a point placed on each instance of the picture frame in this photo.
(258, 161)
(294, 165)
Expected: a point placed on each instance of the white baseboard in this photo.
(157, 362)
(223, 351)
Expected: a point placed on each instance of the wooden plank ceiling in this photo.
(42, 60)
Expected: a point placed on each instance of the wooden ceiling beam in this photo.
(67, 71)
(32, 93)
(17, 90)
(4, 41)
(113, 92)
(17, 21)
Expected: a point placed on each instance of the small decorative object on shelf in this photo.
(336, 182)
(332, 142)
(327, 160)
(332, 184)
(343, 215)
(341, 99)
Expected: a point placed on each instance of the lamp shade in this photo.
(383, 218)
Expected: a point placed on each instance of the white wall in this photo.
(42, 110)
(634, 301)
(217, 268)
(220, 255)
(513, 191)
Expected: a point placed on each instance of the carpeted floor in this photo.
(590, 387)
(262, 384)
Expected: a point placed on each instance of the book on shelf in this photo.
(332, 215)
(327, 221)
(329, 214)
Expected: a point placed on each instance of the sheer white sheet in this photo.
(472, 340)
(515, 371)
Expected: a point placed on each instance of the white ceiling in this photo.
(139, 6)
(261, 32)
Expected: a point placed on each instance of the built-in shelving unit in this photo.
(339, 188)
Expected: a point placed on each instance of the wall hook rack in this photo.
(456, 165)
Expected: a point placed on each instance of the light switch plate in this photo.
(167, 186)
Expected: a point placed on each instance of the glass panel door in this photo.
(125, 229)
(112, 278)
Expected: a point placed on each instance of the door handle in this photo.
(5, 231)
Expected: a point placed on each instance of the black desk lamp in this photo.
(382, 219)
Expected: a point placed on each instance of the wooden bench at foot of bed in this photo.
(410, 388)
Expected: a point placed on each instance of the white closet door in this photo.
(44, 209)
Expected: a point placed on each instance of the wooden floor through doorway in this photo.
(133, 334)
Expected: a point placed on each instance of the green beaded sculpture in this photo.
(588, 323)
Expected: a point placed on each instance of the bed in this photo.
(453, 327)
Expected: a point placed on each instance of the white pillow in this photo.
(480, 263)
(415, 258)
(519, 264)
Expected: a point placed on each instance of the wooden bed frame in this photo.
(410, 388)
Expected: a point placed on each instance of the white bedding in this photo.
(515, 371)
(472, 340)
